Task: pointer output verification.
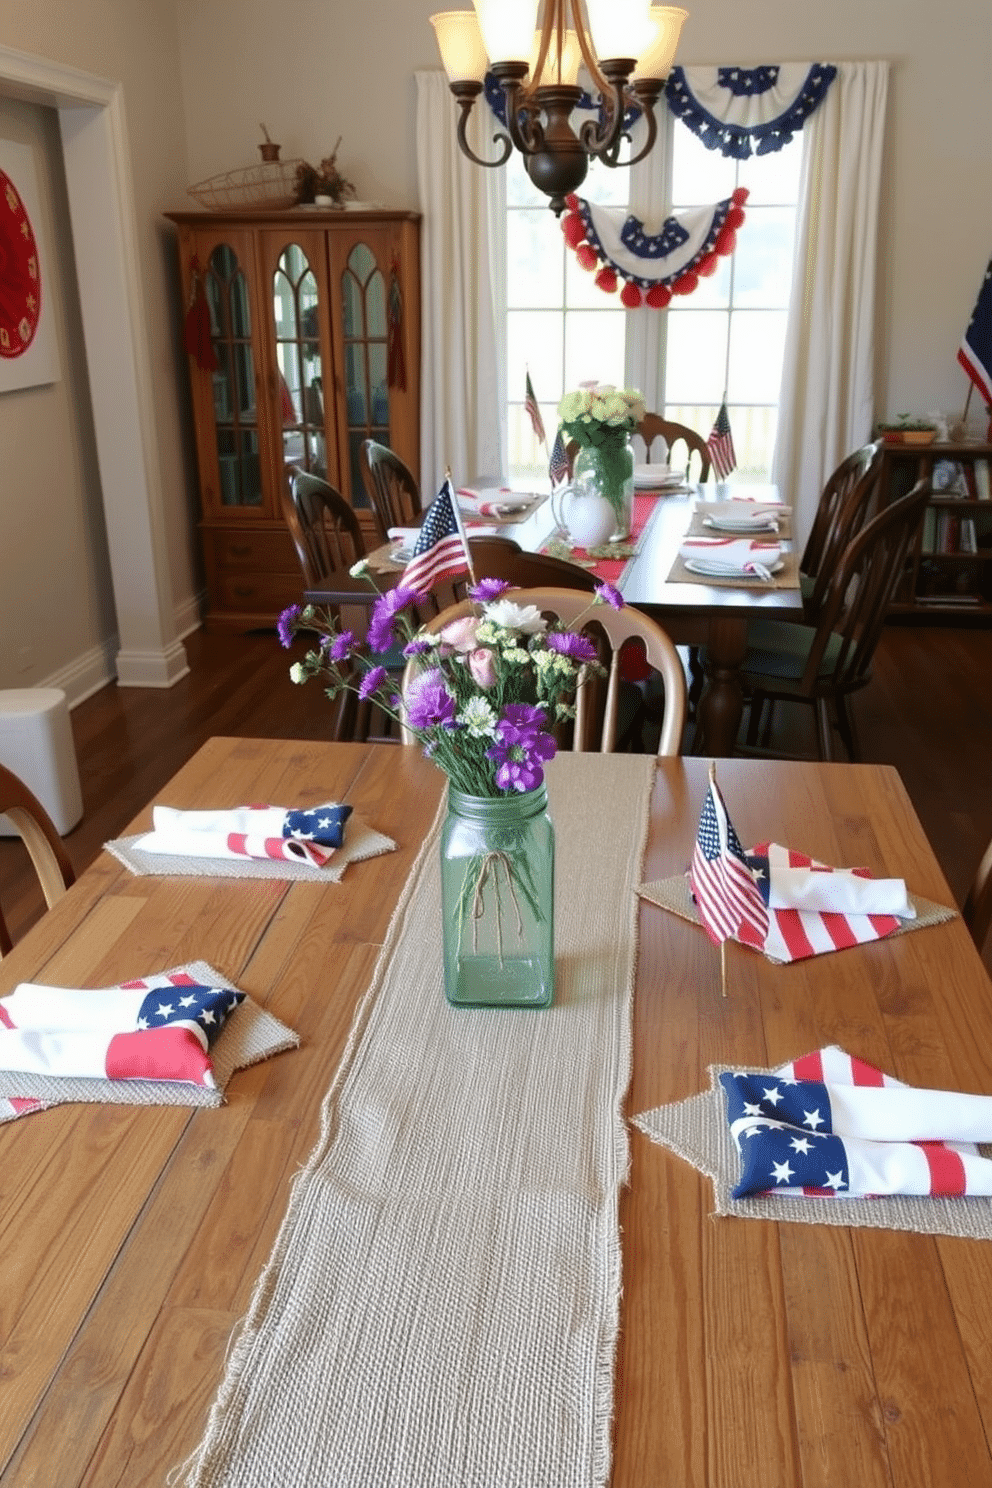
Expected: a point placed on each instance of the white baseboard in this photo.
(105, 663)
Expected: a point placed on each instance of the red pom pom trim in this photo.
(707, 266)
(586, 256)
(740, 196)
(572, 201)
(735, 217)
(658, 296)
(726, 241)
(631, 296)
(686, 284)
(606, 279)
(573, 228)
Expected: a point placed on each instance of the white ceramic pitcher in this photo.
(588, 520)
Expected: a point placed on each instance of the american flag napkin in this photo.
(829, 1125)
(308, 835)
(160, 1027)
(731, 555)
(814, 908)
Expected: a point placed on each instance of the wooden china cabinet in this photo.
(314, 326)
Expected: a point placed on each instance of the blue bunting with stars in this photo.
(743, 111)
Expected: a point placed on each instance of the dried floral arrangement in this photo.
(323, 180)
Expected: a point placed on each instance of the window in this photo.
(728, 335)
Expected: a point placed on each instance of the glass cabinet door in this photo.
(300, 374)
(363, 292)
(235, 409)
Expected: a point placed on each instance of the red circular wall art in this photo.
(20, 273)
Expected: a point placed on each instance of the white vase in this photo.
(587, 519)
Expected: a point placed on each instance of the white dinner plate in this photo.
(741, 524)
(655, 476)
(727, 571)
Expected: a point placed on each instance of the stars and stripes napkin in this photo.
(721, 556)
(491, 503)
(160, 1027)
(310, 835)
(830, 1125)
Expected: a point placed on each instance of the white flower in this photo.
(357, 569)
(525, 619)
(479, 718)
(516, 655)
(296, 673)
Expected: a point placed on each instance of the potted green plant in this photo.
(907, 429)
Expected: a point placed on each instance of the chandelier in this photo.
(627, 47)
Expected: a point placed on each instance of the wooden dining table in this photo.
(750, 1352)
(711, 616)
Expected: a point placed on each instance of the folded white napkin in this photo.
(731, 555)
(836, 890)
(309, 836)
(741, 516)
(492, 503)
(407, 536)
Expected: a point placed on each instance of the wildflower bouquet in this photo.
(489, 689)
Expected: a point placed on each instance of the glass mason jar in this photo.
(497, 900)
(607, 469)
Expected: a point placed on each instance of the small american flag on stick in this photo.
(558, 464)
(534, 412)
(721, 444)
(441, 551)
(724, 887)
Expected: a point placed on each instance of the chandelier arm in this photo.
(585, 47)
(604, 140)
(643, 95)
(545, 44)
(466, 94)
(522, 114)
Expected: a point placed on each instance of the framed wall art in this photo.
(28, 352)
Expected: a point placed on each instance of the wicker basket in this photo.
(266, 187)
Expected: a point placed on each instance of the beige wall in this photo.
(307, 76)
(46, 443)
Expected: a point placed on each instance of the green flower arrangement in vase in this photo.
(601, 419)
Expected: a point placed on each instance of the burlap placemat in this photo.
(442, 1304)
(696, 1129)
(786, 578)
(675, 894)
(250, 1035)
(361, 842)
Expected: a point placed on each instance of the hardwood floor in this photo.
(928, 711)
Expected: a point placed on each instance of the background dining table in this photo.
(711, 616)
(750, 1352)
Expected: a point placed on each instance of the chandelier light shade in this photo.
(627, 46)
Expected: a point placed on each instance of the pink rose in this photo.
(460, 634)
(482, 665)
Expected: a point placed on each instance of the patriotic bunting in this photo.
(744, 111)
(653, 266)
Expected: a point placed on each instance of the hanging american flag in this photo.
(159, 1028)
(441, 551)
(721, 444)
(829, 1125)
(726, 894)
(534, 412)
(558, 464)
(975, 354)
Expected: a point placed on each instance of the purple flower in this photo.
(567, 643)
(286, 625)
(487, 589)
(416, 647)
(429, 704)
(521, 747)
(372, 681)
(609, 595)
(340, 645)
(380, 632)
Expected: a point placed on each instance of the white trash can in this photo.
(36, 743)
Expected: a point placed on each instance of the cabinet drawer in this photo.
(264, 593)
(239, 550)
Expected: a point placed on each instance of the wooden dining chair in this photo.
(391, 488)
(653, 426)
(977, 911)
(326, 532)
(598, 727)
(502, 558)
(848, 500)
(822, 666)
(37, 830)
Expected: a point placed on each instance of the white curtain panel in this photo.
(463, 402)
(650, 200)
(826, 403)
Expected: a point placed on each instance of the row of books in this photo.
(967, 479)
(947, 532)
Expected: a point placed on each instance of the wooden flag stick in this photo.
(461, 530)
(723, 968)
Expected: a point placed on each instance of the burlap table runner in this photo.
(442, 1303)
(786, 578)
(696, 1129)
(361, 842)
(250, 1035)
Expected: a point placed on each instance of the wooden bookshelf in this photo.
(950, 569)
